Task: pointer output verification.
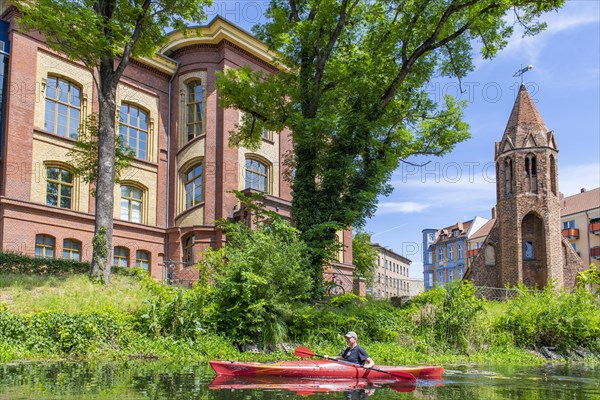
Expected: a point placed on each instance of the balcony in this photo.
(472, 253)
(595, 228)
(571, 233)
(595, 252)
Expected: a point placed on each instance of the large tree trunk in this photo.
(103, 230)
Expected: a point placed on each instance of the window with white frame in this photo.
(440, 277)
(569, 224)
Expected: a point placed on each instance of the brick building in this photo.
(168, 112)
(525, 244)
(580, 220)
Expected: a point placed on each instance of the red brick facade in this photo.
(158, 86)
(526, 245)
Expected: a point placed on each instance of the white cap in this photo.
(352, 335)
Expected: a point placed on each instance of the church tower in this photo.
(528, 203)
(526, 245)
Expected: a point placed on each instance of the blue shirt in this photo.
(355, 355)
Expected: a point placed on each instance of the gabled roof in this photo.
(461, 227)
(580, 202)
(484, 230)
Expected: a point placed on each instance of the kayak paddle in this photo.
(304, 352)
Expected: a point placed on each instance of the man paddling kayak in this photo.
(354, 353)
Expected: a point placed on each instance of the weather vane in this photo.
(522, 71)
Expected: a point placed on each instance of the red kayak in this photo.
(321, 369)
(303, 386)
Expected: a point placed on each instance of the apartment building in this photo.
(392, 274)
(445, 251)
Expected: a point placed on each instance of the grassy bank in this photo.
(67, 316)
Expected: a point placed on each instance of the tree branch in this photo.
(428, 45)
(139, 26)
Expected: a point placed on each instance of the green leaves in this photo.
(258, 279)
(90, 31)
(351, 90)
(84, 155)
(363, 257)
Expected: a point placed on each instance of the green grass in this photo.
(24, 294)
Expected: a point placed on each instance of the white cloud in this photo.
(574, 177)
(574, 15)
(401, 207)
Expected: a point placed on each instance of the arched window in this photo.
(121, 257)
(531, 172)
(71, 250)
(194, 109)
(63, 107)
(132, 203)
(193, 184)
(142, 260)
(44, 246)
(59, 187)
(188, 249)
(508, 176)
(553, 175)
(133, 129)
(257, 175)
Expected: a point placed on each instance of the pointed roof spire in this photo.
(525, 112)
(525, 127)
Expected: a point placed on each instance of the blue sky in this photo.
(564, 82)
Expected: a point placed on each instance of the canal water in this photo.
(156, 380)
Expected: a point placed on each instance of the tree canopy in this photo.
(351, 89)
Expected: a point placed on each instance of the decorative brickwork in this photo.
(526, 245)
(185, 179)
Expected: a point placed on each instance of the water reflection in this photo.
(158, 380)
(353, 388)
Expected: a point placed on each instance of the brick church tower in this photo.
(526, 245)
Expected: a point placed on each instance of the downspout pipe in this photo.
(589, 244)
(170, 105)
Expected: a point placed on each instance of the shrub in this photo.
(448, 316)
(264, 276)
(61, 333)
(17, 263)
(553, 317)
